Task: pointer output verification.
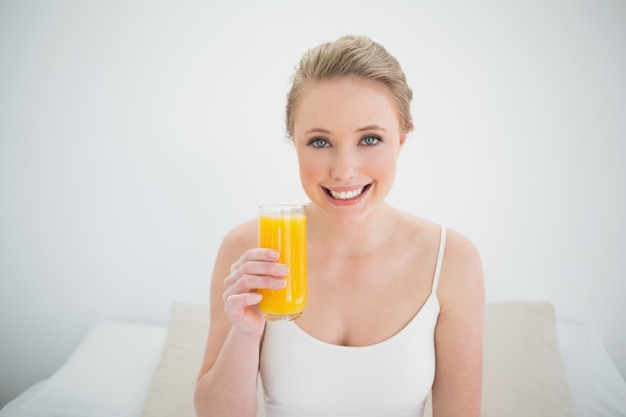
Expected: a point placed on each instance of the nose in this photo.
(344, 165)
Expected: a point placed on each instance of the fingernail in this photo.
(274, 255)
(281, 283)
(283, 269)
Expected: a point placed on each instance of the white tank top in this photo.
(306, 377)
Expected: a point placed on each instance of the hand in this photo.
(256, 269)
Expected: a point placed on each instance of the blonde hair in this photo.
(351, 56)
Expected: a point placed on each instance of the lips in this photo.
(346, 195)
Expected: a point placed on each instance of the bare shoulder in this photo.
(461, 270)
(238, 240)
(461, 281)
(460, 250)
(242, 236)
(458, 246)
(414, 226)
(459, 331)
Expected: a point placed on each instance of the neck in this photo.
(351, 239)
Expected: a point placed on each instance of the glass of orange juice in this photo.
(283, 228)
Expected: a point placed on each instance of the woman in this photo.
(395, 304)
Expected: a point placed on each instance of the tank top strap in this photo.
(442, 249)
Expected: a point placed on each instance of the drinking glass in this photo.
(283, 228)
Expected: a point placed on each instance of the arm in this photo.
(457, 388)
(227, 382)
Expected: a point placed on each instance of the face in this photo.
(347, 137)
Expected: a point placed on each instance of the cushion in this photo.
(172, 388)
(524, 374)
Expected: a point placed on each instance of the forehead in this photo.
(344, 102)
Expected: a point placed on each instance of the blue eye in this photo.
(371, 140)
(319, 143)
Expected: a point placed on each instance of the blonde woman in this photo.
(395, 304)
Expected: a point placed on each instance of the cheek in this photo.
(383, 165)
(310, 167)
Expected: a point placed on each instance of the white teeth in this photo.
(346, 195)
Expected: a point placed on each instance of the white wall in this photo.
(134, 134)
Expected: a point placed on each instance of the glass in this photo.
(283, 228)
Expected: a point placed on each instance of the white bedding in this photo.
(597, 387)
(110, 372)
(107, 375)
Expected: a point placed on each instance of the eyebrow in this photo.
(372, 127)
(361, 129)
(316, 130)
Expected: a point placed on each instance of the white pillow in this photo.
(108, 375)
(591, 371)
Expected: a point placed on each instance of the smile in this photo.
(346, 195)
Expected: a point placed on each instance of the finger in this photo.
(256, 254)
(272, 269)
(235, 303)
(248, 283)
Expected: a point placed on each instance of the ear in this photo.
(402, 139)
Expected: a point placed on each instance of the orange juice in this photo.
(283, 228)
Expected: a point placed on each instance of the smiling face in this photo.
(347, 134)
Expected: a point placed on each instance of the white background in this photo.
(133, 135)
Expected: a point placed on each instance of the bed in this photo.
(536, 363)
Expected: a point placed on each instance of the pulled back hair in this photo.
(351, 56)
